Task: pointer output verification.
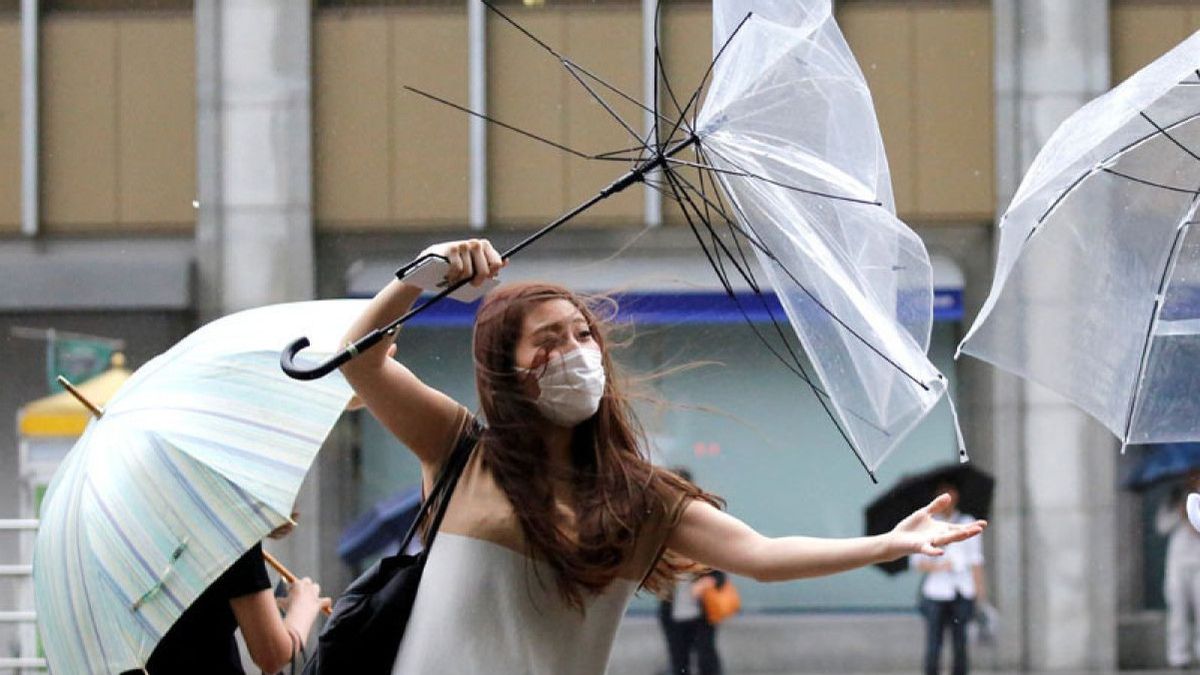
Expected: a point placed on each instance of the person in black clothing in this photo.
(683, 621)
(202, 640)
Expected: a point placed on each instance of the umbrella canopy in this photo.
(1163, 463)
(912, 492)
(789, 127)
(198, 456)
(1097, 287)
(386, 523)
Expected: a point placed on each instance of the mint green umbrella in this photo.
(197, 457)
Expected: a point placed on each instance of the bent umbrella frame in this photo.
(842, 297)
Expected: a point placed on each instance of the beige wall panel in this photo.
(429, 140)
(156, 123)
(1142, 31)
(78, 122)
(686, 35)
(954, 118)
(351, 121)
(527, 90)
(881, 35)
(10, 125)
(608, 43)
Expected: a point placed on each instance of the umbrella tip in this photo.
(96, 410)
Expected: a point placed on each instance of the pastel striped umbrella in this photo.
(197, 457)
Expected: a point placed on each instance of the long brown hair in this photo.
(615, 489)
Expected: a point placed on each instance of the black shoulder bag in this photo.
(363, 633)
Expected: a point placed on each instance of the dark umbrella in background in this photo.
(385, 524)
(1161, 464)
(916, 490)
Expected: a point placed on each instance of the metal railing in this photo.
(19, 616)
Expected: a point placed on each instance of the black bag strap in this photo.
(444, 485)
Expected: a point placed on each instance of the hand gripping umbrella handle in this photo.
(287, 574)
(287, 359)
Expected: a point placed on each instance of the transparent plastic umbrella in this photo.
(789, 128)
(1097, 286)
(785, 159)
(198, 456)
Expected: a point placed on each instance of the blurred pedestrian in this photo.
(1181, 582)
(686, 625)
(953, 584)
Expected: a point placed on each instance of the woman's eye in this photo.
(584, 335)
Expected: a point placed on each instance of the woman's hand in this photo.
(304, 597)
(474, 259)
(922, 533)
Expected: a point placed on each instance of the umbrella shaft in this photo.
(635, 175)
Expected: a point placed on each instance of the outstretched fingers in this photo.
(953, 533)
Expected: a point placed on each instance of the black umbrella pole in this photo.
(287, 359)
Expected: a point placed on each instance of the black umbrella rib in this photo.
(1159, 130)
(565, 61)
(812, 296)
(1150, 183)
(1171, 138)
(707, 178)
(1144, 359)
(527, 134)
(600, 100)
(818, 393)
(1058, 200)
(799, 370)
(704, 80)
(743, 173)
(1133, 144)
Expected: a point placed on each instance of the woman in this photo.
(558, 516)
(202, 640)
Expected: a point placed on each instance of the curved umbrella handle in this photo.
(287, 359)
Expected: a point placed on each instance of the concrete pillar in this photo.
(1055, 568)
(254, 230)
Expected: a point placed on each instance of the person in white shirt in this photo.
(953, 584)
(1181, 583)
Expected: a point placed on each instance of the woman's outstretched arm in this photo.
(717, 539)
(422, 417)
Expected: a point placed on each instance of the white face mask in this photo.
(571, 386)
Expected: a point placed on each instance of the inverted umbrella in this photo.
(784, 158)
(198, 456)
(1097, 286)
(974, 486)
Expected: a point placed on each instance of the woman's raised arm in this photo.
(717, 539)
(422, 417)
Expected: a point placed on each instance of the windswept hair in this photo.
(615, 490)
